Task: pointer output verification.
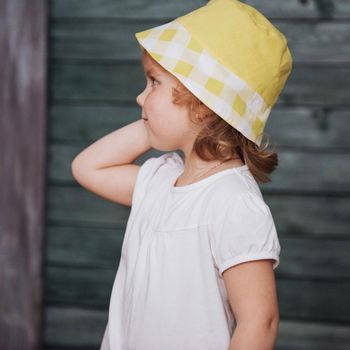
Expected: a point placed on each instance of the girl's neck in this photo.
(195, 168)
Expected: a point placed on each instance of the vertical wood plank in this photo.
(23, 28)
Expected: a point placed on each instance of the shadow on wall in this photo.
(325, 8)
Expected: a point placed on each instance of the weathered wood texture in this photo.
(95, 76)
(144, 9)
(23, 34)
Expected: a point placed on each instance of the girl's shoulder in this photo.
(243, 229)
(236, 195)
(155, 170)
(169, 158)
(235, 182)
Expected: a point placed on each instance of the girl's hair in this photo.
(219, 140)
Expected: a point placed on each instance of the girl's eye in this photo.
(153, 81)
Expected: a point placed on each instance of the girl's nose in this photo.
(141, 98)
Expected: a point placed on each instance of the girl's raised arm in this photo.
(105, 167)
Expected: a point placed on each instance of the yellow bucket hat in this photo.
(229, 56)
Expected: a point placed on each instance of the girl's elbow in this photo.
(267, 324)
(77, 169)
(74, 168)
(273, 323)
(86, 175)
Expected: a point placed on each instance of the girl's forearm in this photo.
(119, 147)
(257, 338)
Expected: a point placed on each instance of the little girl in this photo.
(200, 248)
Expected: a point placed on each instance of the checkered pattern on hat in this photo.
(230, 97)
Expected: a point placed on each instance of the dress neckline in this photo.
(206, 180)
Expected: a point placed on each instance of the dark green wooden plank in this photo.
(96, 82)
(295, 215)
(78, 286)
(317, 84)
(76, 205)
(74, 327)
(298, 170)
(298, 216)
(314, 300)
(112, 82)
(88, 123)
(314, 259)
(83, 246)
(86, 247)
(317, 41)
(294, 127)
(172, 9)
(312, 41)
(121, 9)
(312, 127)
(299, 335)
(96, 39)
(320, 300)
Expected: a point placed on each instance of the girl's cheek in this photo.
(153, 106)
(157, 103)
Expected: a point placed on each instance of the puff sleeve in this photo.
(149, 171)
(243, 231)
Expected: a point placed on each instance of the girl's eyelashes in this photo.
(153, 80)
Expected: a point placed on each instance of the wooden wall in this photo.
(95, 76)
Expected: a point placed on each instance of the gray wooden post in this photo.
(23, 32)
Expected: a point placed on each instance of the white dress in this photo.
(169, 292)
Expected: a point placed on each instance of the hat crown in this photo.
(244, 41)
(230, 56)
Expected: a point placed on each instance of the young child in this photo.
(200, 247)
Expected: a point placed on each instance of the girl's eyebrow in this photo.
(152, 71)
